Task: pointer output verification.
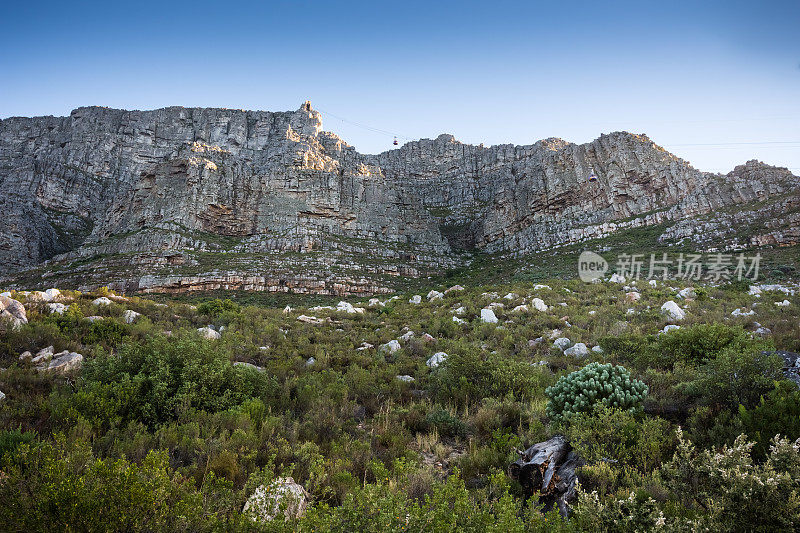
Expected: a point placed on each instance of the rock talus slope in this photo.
(180, 199)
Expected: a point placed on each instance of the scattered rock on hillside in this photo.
(407, 336)
(579, 349)
(405, 378)
(562, 343)
(390, 347)
(669, 327)
(57, 308)
(415, 299)
(42, 355)
(632, 297)
(101, 301)
(520, 309)
(673, 311)
(454, 288)
(310, 319)
(51, 294)
(130, 316)
(785, 303)
(345, 307)
(539, 304)
(209, 333)
(435, 295)
(762, 332)
(597, 349)
(436, 359)
(488, 316)
(282, 496)
(740, 312)
(62, 362)
(93, 318)
(459, 320)
(13, 312)
(687, 293)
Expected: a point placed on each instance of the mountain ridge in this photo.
(179, 199)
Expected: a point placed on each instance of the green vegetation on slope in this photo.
(161, 431)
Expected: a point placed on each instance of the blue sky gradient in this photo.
(697, 77)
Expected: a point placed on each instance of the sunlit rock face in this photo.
(190, 199)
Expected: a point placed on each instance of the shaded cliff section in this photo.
(181, 199)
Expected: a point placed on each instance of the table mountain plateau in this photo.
(182, 199)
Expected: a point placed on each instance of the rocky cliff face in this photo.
(181, 199)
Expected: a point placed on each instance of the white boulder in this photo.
(687, 293)
(282, 496)
(416, 299)
(13, 312)
(390, 347)
(434, 295)
(407, 336)
(130, 316)
(57, 308)
(562, 343)
(345, 307)
(673, 311)
(209, 333)
(539, 304)
(579, 349)
(436, 359)
(488, 316)
(101, 301)
(62, 362)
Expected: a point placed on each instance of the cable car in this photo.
(395, 141)
(592, 176)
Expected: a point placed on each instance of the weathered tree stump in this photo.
(548, 470)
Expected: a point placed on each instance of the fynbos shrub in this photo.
(593, 384)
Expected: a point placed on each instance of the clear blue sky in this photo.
(689, 74)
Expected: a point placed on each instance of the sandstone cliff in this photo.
(190, 198)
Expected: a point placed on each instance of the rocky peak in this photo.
(269, 201)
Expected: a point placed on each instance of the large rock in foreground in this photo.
(282, 496)
(12, 312)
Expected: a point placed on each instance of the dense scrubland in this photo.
(692, 428)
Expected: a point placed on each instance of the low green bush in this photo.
(593, 384)
(162, 378)
(778, 412)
